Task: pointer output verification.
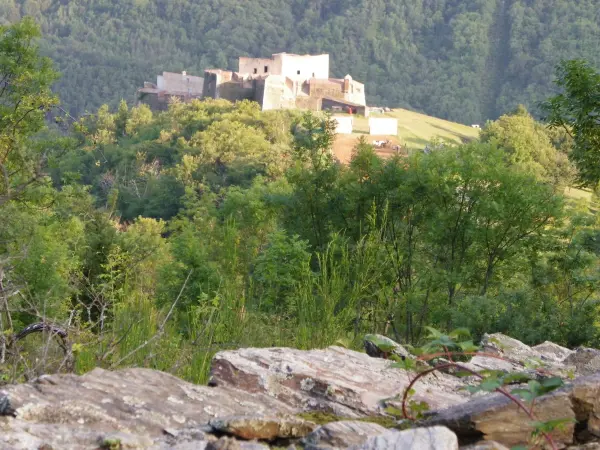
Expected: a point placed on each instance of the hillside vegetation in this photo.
(415, 130)
(467, 61)
(157, 239)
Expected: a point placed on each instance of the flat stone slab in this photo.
(348, 383)
(63, 410)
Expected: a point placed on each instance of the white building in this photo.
(300, 68)
(383, 126)
(345, 124)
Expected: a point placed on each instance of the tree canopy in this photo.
(463, 61)
(576, 111)
(25, 98)
(158, 238)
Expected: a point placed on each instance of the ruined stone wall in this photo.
(213, 81)
(311, 103)
(277, 94)
(326, 88)
(236, 90)
(258, 65)
(178, 82)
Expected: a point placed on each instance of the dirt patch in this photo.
(345, 143)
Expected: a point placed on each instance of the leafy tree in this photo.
(313, 176)
(278, 269)
(530, 147)
(25, 99)
(577, 110)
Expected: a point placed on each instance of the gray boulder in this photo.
(542, 360)
(438, 438)
(342, 435)
(552, 351)
(70, 411)
(586, 361)
(496, 418)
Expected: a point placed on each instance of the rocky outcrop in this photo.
(255, 396)
(585, 361)
(344, 382)
(69, 411)
(552, 351)
(496, 418)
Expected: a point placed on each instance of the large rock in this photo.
(497, 418)
(585, 395)
(588, 446)
(509, 348)
(69, 411)
(438, 438)
(348, 383)
(552, 351)
(544, 360)
(342, 435)
(479, 363)
(586, 361)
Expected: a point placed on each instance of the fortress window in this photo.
(313, 74)
(298, 72)
(266, 69)
(255, 70)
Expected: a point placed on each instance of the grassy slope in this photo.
(415, 130)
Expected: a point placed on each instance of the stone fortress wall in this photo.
(286, 81)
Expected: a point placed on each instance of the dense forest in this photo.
(157, 239)
(467, 61)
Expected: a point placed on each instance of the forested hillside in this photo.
(156, 239)
(467, 61)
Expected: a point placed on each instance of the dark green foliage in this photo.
(466, 61)
(162, 238)
(577, 111)
(25, 98)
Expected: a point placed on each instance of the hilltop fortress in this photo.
(284, 81)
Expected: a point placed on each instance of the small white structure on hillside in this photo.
(383, 126)
(345, 124)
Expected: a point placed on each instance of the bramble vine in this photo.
(448, 347)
